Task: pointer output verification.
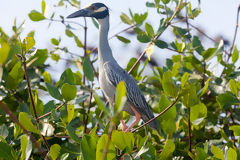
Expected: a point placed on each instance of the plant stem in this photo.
(89, 106)
(15, 120)
(165, 110)
(157, 36)
(108, 142)
(189, 131)
(32, 101)
(51, 112)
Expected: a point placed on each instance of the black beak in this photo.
(80, 13)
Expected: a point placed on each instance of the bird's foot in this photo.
(124, 126)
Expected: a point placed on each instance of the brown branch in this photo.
(157, 36)
(31, 98)
(51, 112)
(15, 120)
(203, 33)
(124, 30)
(165, 110)
(235, 34)
(89, 106)
(108, 142)
(189, 132)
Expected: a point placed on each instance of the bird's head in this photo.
(96, 10)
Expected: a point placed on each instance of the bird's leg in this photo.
(124, 126)
(137, 115)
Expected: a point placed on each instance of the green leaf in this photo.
(139, 18)
(43, 7)
(4, 51)
(143, 38)
(87, 69)
(47, 77)
(72, 134)
(125, 19)
(231, 154)
(217, 152)
(235, 55)
(55, 57)
(189, 96)
(54, 151)
(4, 131)
(123, 140)
(78, 42)
(36, 16)
(69, 33)
(180, 31)
(89, 146)
(149, 29)
(54, 92)
(120, 97)
(197, 45)
(55, 41)
(26, 147)
(7, 152)
(165, 1)
(161, 44)
(68, 91)
(233, 87)
(167, 150)
(131, 62)
(167, 120)
(124, 40)
(184, 79)
(208, 54)
(205, 88)
(95, 23)
(66, 77)
(70, 110)
(198, 111)
(227, 99)
(27, 123)
(101, 145)
(81, 98)
(169, 87)
(39, 57)
(101, 105)
(15, 76)
(235, 129)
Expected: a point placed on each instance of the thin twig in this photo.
(89, 106)
(203, 33)
(108, 142)
(15, 120)
(157, 36)
(165, 110)
(32, 101)
(63, 22)
(124, 30)
(51, 112)
(189, 131)
(235, 34)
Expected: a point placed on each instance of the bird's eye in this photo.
(93, 8)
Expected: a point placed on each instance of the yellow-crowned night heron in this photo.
(110, 73)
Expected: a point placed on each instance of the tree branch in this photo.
(51, 112)
(157, 36)
(15, 120)
(32, 101)
(165, 110)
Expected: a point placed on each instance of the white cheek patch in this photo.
(101, 9)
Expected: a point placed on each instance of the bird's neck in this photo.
(104, 50)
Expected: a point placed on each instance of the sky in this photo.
(218, 18)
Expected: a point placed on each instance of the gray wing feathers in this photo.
(115, 74)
